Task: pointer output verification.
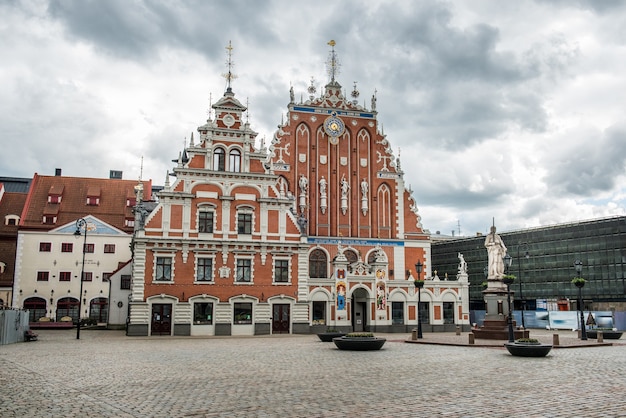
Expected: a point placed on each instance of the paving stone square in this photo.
(106, 374)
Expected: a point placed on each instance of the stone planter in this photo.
(606, 334)
(528, 349)
(328, 336)
(359, 343)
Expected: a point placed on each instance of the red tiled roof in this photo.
(11, 204)
(75, 190)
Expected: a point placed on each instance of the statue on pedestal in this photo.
(496, 250)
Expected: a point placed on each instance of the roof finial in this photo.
(332, 63)
(229, 76)
(210, 111)
(247, 110)
(141, 169)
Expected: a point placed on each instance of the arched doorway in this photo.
(36, 308)
(360, 321)
(99, 310)
(68, 306)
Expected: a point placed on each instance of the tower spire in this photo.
(229, 76)
(332, 63)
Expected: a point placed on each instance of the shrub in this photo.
(359, 334)
(527, 340)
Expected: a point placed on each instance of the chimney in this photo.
(57, 172)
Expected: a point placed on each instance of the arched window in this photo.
(36, 308)
(68, 307)
(352, 258)
(318, 264)
(234, 161)
(219, 159)
(99, 310)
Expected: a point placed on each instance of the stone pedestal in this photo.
(495, 326)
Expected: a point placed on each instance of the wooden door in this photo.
(280, 318)
(161, 319)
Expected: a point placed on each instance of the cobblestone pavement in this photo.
(106, 374)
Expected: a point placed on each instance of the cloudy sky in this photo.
(506, 110)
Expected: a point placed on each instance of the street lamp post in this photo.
(508, 280)
(81, 223)
(519, 275)
(418, 286)
(578, 265)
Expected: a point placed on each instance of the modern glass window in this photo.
(163, 268)
(244, 270)
(125, 282)
(205, 270)
(45, 247)
(203, 313)
(205, 221)
(65, 276)
(281, 271)
(234, 161)
(219, 159)
(67, 247)
(109, 248)
(89, 248)
(42, 276)
(244, 223)
(318, 264)
(397, 312)
(242, 313)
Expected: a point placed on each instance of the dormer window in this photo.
(55, 194)
(11, 220)
(93, 196)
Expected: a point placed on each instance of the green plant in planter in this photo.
(508, 279)
(329, 329)
(359, 335)
(527, 340)
(419, 283)
(578, 281)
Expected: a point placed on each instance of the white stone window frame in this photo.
(172, 267)
(244, 257)
(206, 207)
(195, 270)
(16, 218)
(281, 258)
(247, 210)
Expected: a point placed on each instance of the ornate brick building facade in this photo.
(317, 231)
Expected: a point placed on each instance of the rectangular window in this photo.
(163, 268)
(203, 313)
(130, 222)
(131, 202)
(93, 201)
(448, 312)
(67, 247)
(106, 277)
(45, 247)
(281, 271)
(109, 248)
(319, 313)
(205, 222)
(397, 312)
(87, 276)
(243, 313)
(425, 312)
(89, 248)
(65, 276)
(244, 223)
(42, 276)
(244, 270)
(53, 198)
(125, 282)
(205, 270)
(49, 220)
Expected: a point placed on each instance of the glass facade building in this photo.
(543, 262)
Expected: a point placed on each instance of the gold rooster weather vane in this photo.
(229, 76)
